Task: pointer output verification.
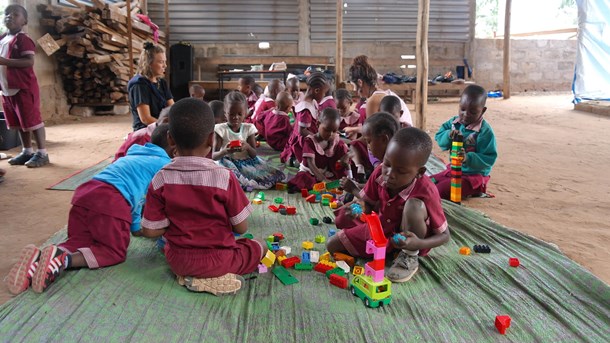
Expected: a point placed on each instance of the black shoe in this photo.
(20, 159)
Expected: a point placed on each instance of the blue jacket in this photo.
(132, 174)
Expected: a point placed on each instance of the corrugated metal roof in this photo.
(389, 20)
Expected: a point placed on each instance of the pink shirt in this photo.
(324, 153)
(352, 119)
(390, 209)
(198, 202)
(277, 128)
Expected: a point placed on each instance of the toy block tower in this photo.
(377, 247)
(456, 169)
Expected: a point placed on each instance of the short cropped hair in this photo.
(330, 113)
(414, 140)
(382, 123)
(342, 94)
(390, 104)
(476, 92)
(218, 108)
(235, 97)
(159, 136)
(14, 7)
(191, 122)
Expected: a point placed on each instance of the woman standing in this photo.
(148, 92)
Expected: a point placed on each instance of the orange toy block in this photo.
(465, 250)
(344, 257)
(320, 186)
(358, 270)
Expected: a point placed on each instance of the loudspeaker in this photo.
(181, 69)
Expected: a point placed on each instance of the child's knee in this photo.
(263, 246)
(334, 245)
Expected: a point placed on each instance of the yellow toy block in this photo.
(465, 250)
(327, 196)
(333, 205)
(280, 259)
(257, 201)
(325, 256)
(319, 186)
(328, 263)
(268, 259)
(307, 245)
(358, 270)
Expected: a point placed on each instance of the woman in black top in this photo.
(148, 91)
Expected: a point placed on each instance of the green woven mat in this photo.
(453, 298)
(71, 182)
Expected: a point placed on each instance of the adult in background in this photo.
(148, 91)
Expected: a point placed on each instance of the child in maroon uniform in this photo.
(349, 118)
(218, 108)
(327, 102)
(407, 202)
(246, 87)
(321, 152)
(278, 123)
(292, 87)
(306, 116)
(266, 104)
(197, 205)
(20, 93)
(141, 136)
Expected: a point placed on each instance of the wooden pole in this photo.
(506, 87)
(339, 51)
(129, 37)
(144, 7)
(421, 53)
(167, 47)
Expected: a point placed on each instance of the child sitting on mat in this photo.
(293, 87)
(249, 169)
(246, 87)
(267, 103)
(197, 205)
(393, 105)
(218, 108)
(197, 92)
(141, 136)
(407, 202)
(479, 149)
(104, 211)
(328, 101)
(307, 112)
(321, 153)
(349, 119)
(278, 122)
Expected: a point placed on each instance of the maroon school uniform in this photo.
(141, 137)
(198, 202)
(352, 119)
(277, 129)
(325, 159)
(100, 232)
(391, 212)
(251, 99)
(361, 150)
(262, 111)
(327, 102)
(21, 110)
(361, 108)
(306, 116)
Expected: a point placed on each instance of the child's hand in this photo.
(411, 242)
(348, 185)
(245, 146)
(462, 154)
(454, 134)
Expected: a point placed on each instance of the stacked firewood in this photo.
(91, 46)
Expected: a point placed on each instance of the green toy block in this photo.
(285, 277)
(337, 271)
(314, 192)
(278, 200)
(320, 239)
(303, 266)
(333, 184)
(325, 202)
(269, 246)
(248, 235)
(260, 195)
(314, 221)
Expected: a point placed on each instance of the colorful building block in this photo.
(271, 238)
(305, 257)
(258, 144)
(278, 236)
(325, 202)
(314, 192)
(322, 268)
(465, 250)
(320, 186)
(303, 266)
(280, 259)
(304, 193)
(307, 245)
(283, 211)
(247, 235)
(334, 205)
(502, 323)
(335, 270)
(398, 237)
(249, 189)
(314, 221)
(344, 257)
(325, 256)
(275, 246)
(291, 210)
(269, 245)
(260, 195)
(358, 270)
(356, 209)
(338, 280)
(311, 198)
(280, 186)
(318, 198)
(262, 268)
(235, 144)
(286, 249)
(290, 262)
(327, 220)
(257, 202)
(514, 262)
(343, 265)
(314, 256)
(273, 208)
(278, 200)
(330, 197)
(285, 277)
(279, 252)
(268, 259)
(320, 239)
(456, 168)
(333, 184)
(331, 232)
(482, 249)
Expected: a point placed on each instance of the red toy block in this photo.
(291, 210)
(304, 193)
(258, 144)
(279, 235)
(338, 281)
(502, 323)
(513, 261)
(282, 206)
(311, 198)
(273, 208)
(322, 268)
(280, 186)
(290, 262)
(234, 144)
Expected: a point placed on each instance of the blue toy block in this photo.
(331, 232)
(305, 257)
(356, 209)
(275, 246)
(398, 237)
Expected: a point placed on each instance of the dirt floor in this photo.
(548, 181)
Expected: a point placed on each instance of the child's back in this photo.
(278, 123)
